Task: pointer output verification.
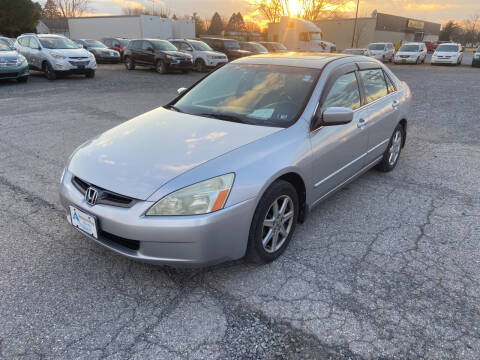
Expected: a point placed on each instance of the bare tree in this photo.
(272, 10)
(470, 28)
(72, 8)
(320, 9)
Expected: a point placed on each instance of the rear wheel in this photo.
(392, 154)
(160, 67)
(48, 71)
(129, 63)
(273, 223)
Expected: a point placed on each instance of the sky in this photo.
(432, 10)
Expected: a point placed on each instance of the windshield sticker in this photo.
(263, 114)
(308, 78)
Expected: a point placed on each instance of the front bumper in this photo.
(73, 66)
(476, 62)
(180, 65)
(408, 60)
(14, 72)
(170, 240)
(107, 59)
(214, 63)
(451, 61)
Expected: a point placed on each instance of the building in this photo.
(378, 28)
(130, 27)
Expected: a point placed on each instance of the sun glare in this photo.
(294, 8)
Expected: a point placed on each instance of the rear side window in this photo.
(374, 84)
(343, 93)
(108, 42)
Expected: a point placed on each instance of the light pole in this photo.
(355, 23)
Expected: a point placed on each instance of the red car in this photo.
(117, 44)
(431, 47)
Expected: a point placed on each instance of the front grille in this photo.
(79, 63)
(129, 244)
(104, 196)
(78, 57)
(8, 63)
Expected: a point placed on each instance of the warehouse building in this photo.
(378, 28)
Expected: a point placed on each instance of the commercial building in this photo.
(378, 28)
(130, 27)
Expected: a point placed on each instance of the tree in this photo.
(19, 16)
(471, 32)
(200, 26)
(251, 27)
(317, 9)
(449, 31)
(50, 10)
(236, 23)
(216, 24)
(272, 10)
(135, 11)
(72, 8)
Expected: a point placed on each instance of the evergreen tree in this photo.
(216, 25)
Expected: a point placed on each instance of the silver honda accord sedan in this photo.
(230, 166)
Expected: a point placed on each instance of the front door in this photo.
(338, 151)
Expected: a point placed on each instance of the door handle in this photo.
(395, 104)
(361, 123)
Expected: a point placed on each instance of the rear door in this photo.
(381, 108)
(338, 151)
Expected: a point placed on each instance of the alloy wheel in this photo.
(395, 148)
(277, 223)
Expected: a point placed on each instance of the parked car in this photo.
(448, 53)
(382, 51)
(411, 53)
(431, 46)
(362, 52)
(231, 165)
(117, 44)
(203, 55)
(101, 52)
(229, 47)
(253, 47)
(476, 58)
(7, 41)
(159, 54)
(12, 64)
(55, 54)
(274, 47)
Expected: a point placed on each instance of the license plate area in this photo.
(84, 222)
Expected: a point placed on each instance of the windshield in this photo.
(95, 44)
(410, 48)
(315, 36)
(279, 46)
(57, 43)
(124, 42)
(266, 95)
(231, 44)
(4, 46)
(376, 47)
(200, 46)
(447, 48)
(259, 48)
(163, 45)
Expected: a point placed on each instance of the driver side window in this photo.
(343, 93)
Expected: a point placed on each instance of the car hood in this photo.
(409, 53)
(445, 53)
(214, 53)
(377, 52)
(8, 55)
(175, 53)
(238, 52)
(139, 156)
(70, 52)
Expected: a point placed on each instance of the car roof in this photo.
(297, 59)
(450, 43)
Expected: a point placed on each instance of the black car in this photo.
(274, 47)
(476, 58)
(159, 54)
(253, 47)
(229, 47)
(101, 52)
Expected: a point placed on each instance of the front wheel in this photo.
(273, 223)
(22, 79)
(90, 74)
(392, 154)
(49, 72)
(129, 63)
(160, 67)
(200, 65)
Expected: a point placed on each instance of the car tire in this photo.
(48, 71)
(392, 153)
(270, 231)
(22, 79)
(418, 61)
(160, 67)
(129, 63)
(200, 65)
(90, 74)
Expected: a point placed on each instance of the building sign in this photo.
(415, 24)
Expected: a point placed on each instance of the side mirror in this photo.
(189, 49)
(150, 49)
(336, 116)
(181, 90)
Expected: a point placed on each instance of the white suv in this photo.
(381, 51)
(54, 54)
(204, 57)
(411, 53)
(450, 53)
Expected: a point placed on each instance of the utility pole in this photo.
(355, 24)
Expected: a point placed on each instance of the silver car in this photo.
(231, 165)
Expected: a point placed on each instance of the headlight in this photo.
(57, 56)
(20, 60)
(200, 198)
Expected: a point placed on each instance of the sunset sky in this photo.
(434, 10)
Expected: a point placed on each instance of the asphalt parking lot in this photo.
(389, 267)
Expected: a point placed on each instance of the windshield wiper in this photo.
(173, 107)
(225, 117)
